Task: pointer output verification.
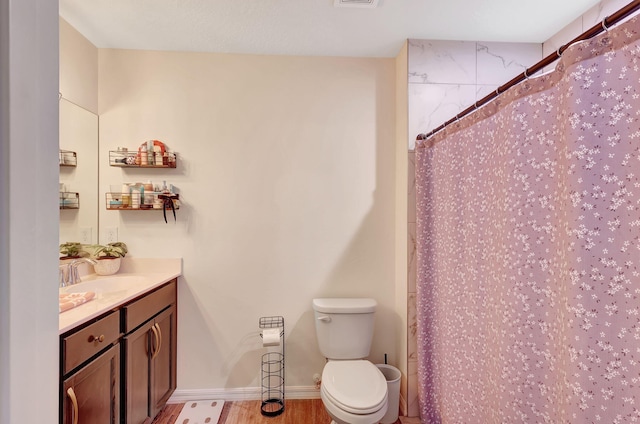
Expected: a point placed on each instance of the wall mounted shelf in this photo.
(137, 159)
(151, 200)
(69, 200)
(68, 158)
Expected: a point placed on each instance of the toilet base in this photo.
(341, 422)
(342, 417)
(334, 422)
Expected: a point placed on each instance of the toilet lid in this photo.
(355, 386)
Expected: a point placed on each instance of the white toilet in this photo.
(353, 390)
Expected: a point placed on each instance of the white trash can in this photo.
(392, 375)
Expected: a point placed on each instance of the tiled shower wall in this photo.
(445, 77)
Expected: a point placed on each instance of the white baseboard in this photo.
(244, 393)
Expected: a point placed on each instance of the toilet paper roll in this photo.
(271, 337)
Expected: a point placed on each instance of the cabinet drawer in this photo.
(84, 343)
(139, 311)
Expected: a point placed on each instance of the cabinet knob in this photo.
(98, 339)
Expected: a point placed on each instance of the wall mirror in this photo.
(78, 174)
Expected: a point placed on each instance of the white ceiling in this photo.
(312, 27)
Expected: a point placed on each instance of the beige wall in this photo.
(78, 68)
(287, 174)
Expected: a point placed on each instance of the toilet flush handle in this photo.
(324, 318)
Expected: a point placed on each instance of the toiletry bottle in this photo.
(126, 195)
(144, 159)
(135, 196)
(148, 193)
(140, 187)
(157, 202)
(150, 152)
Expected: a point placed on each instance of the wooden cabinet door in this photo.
(163, 365)
(137, 352)
(150, 355)
(92, 395)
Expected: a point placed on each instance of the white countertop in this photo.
(136, 277)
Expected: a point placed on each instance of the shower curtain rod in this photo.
(592, 32)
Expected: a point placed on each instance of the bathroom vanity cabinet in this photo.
(121, 367)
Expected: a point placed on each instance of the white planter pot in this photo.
(107, 266)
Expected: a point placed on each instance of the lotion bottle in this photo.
(135, 196)
(126, 195)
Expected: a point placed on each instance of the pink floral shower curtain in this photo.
(528, 239)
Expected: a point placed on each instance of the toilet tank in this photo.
(344, 326)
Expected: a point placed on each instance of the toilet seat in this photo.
(355, 386)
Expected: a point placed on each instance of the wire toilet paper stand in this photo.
(272, 371)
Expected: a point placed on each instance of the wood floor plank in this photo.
(169, 414)
(297, 411)
(307, 411)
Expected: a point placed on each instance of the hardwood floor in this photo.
(298, 411)
(169, 414)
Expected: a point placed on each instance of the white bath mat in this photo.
(201, 412)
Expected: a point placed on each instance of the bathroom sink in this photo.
(107, 285)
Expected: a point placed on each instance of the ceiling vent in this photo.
(356, 3)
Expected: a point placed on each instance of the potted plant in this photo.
(72, 250)
(109, 257)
